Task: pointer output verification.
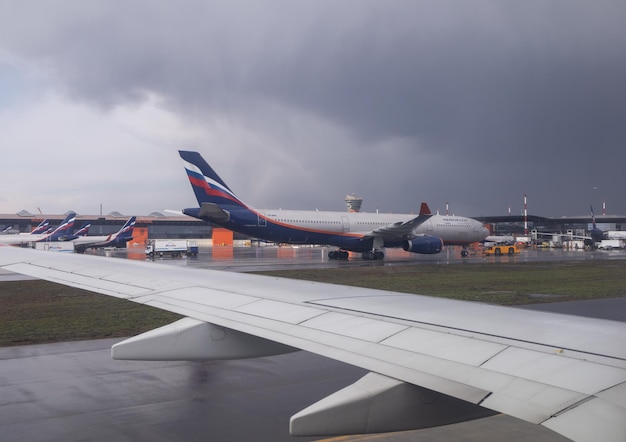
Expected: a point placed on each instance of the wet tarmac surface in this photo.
(75, 392)
(251, 259)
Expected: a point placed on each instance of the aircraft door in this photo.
(261, 220)
(345, 223)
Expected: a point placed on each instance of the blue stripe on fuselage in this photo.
(246, 222)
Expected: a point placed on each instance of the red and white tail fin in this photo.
(425, 210)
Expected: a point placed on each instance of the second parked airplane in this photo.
(366, 233)
(117, 239)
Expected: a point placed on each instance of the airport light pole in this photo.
(525, 216)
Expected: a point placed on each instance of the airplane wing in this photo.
(563, 372)
(399, 230)
(402, 229)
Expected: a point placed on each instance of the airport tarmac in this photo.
(251, 259)
(74, 391)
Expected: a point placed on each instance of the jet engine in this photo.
(426, 245)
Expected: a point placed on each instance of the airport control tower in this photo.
(354, 203)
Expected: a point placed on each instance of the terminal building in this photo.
(523, 225)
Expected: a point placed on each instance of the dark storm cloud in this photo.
(470, 102)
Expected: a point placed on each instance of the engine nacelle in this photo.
(425, 245)
(192, 340)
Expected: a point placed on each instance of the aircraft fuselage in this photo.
(343, 229)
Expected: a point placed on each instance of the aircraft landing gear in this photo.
(376, 254)
(373, 255)
(464, 252)
(337, 254)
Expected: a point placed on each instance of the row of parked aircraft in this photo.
(79, 238)
(431, 361)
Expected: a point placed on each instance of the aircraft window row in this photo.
(307, 221)
(292, 221)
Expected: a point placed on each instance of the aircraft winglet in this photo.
(425, 210)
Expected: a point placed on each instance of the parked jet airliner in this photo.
(42, 227)
(83, 231)
(596, 234)
(367, 233)
(117, 239)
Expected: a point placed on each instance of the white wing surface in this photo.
(566, 373)
(400, 229)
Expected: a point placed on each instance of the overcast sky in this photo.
(298, 103)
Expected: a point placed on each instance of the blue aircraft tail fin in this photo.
(205, 182)
(64, 231)
(67, 225)
(593, 218)
(126, 232)
(83, 231)
(596, 234)
(42, 227)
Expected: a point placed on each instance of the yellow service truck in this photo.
(501, 249)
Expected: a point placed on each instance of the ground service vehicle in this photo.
(55, 246)
(171, 247)
(501, 249)
(610, 244)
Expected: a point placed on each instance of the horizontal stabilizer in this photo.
(376, 404)
(188, 340)
(213, 212)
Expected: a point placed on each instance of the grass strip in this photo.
(495, 283)
(37, 312)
